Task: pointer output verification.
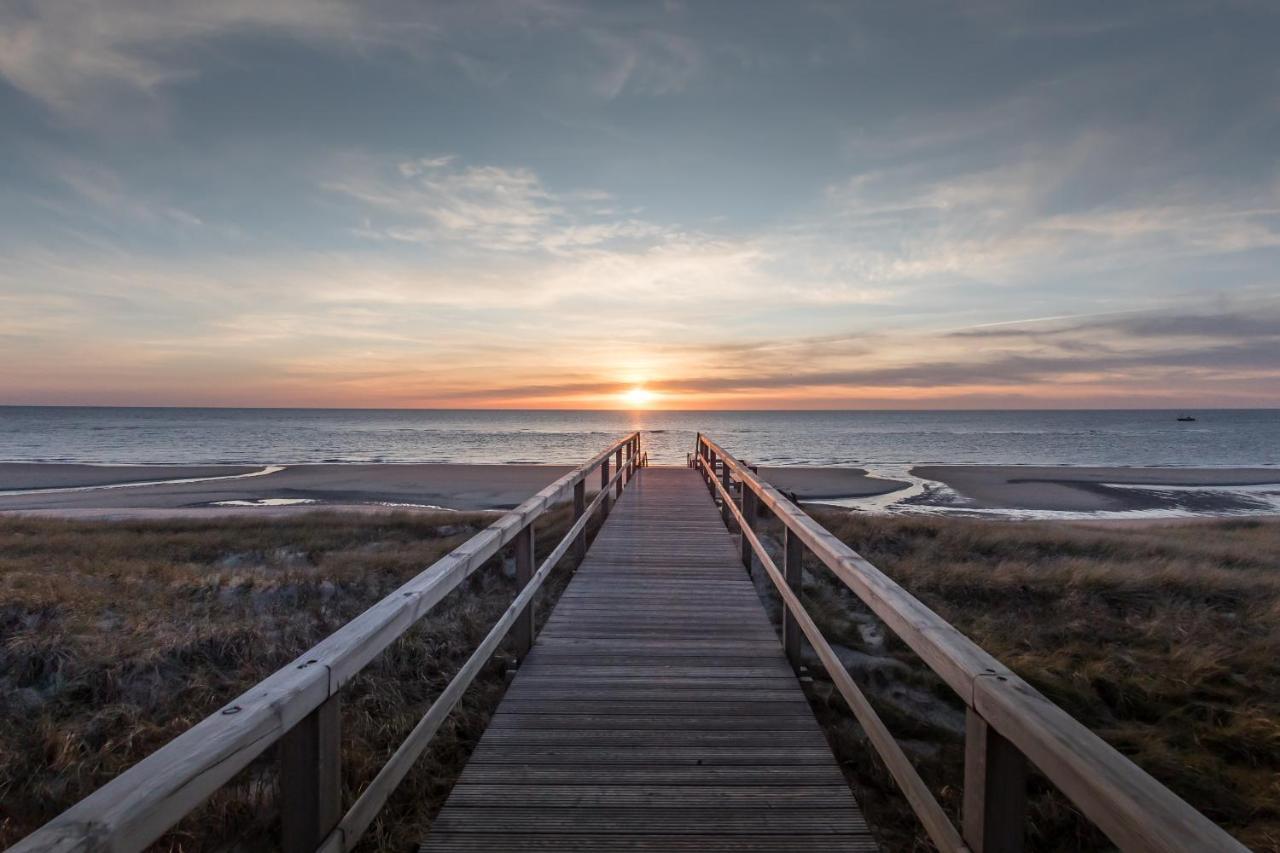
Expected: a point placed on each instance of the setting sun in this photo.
(637, 397)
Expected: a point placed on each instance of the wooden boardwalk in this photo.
(656, 710)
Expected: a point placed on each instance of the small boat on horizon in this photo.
(1186, 418)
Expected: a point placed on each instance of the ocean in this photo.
(883, 441)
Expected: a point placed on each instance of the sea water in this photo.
(880, 440)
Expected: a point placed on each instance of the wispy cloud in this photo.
(438, 201)
(71, 56)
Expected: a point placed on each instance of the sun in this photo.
(637, 397)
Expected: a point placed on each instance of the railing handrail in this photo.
(1131, 807)
(138, 806)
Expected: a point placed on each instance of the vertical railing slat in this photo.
(311, 778)
(793, 571)
(522, 631)
(995, 789)
(579, 507)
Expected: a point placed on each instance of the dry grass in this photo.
(116, 637)
(1164, 640)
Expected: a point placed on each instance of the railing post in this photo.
(995, 789)
(522, 631)
(748, 513)
(755, 504)
(726, 479)
(617, 488)
(311, 778)
(793, 571)
(580, 507)
(604, 487)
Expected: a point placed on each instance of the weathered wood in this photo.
(793, 567)
(1134, 810)
(618, 462)
(749, 513)
(726, 496)
(136, 807)
(522, 631)
(935, 820)
(366, 807)
(995, 790)
(579, 508)
(656, 710)
(604, 487)
(311, 778)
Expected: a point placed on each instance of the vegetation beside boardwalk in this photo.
(115, 637)
(1163, 639)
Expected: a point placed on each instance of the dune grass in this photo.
(1164, 640)
(115, 637)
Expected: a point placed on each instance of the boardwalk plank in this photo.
(656, 710)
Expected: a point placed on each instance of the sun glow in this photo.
(637, 397)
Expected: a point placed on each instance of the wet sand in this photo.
(1062, 488)
(56, 475)
(463, 487)
(811, 484)
(105, 491)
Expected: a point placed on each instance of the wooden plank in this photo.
(781, 776)
(519, 842)
(656, 710)
(653, 796)
(724, 819)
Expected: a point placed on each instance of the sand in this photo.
(811, 484)
(464, 487)
(40, 475)
(1063, 488)
(92, 491)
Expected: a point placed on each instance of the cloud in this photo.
(438, 202)
(71, 55)
(648, 62)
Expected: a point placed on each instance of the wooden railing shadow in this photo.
(1008, 722)
(299, 708)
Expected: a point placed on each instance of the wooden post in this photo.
(755, 505)
(522, 631)
(604, 487)
(311, 778)
(749, 513)
(727, 480)
(617, 489)
(793, 571)
(995, 789)
(580, 507)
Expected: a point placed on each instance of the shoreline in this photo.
(1138, 493)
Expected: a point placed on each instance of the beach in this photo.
(1063, 488)
(147, 491)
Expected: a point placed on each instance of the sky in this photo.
(539, 203)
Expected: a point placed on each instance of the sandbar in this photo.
(1066, 488)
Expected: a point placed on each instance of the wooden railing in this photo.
(298, 706)
(1008, 722)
